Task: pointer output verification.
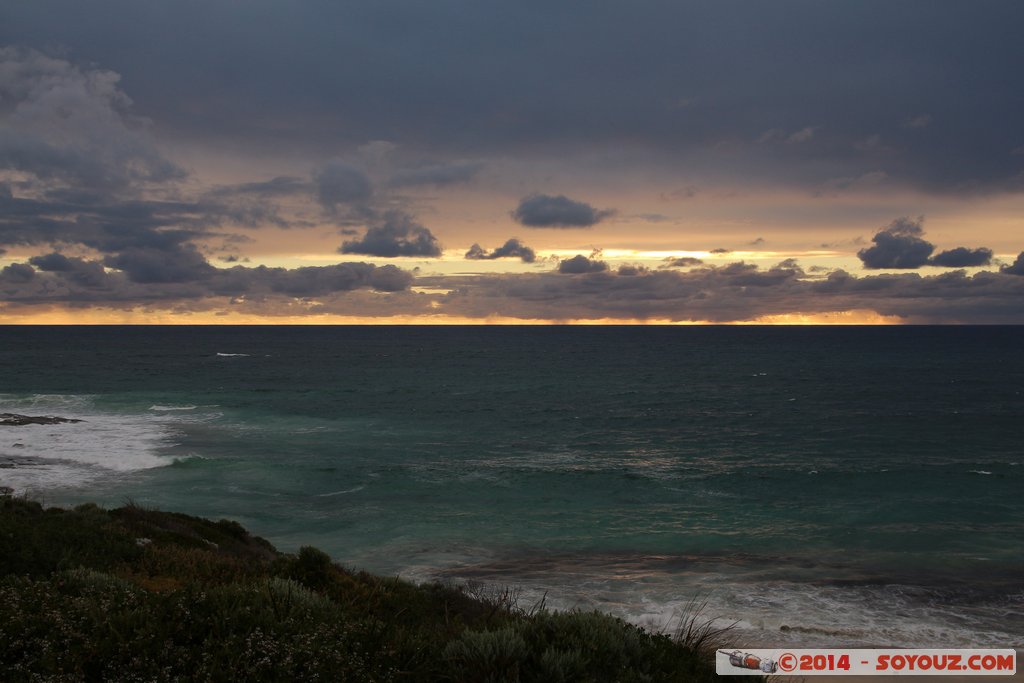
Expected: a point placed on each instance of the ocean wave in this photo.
(233, 355)
(104, 443)
(41, 403)
(657, 592)
(339, 493)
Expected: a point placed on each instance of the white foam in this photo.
(103, 444)
(770, 614)
(804, 615)
(232, 355)
(160, 408)
(340, 493)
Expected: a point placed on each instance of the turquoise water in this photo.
(819, 486)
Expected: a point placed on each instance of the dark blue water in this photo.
(819, 485)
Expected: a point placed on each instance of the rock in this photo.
(14, 420)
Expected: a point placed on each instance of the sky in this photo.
(457, 161)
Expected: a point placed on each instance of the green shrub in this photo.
(489, 656)
(37, 542)
(82, 597)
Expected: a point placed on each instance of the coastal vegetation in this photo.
(134, 594)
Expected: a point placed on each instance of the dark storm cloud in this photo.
(78, 271)
(733, 292)
(17, 273)
(101, 222)
(512, 248)
(1016, 268)
(341, 183)
(87, 171)
(899, 245)
(962, 257)
(147, 265)
(438, 175)
(556, 211)
(737, 292)
(55, 263)
(142, 276)
(749, 275)
(63, 123)
(581, 264)
(395, 233)
(458, 78)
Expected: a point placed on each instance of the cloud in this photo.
(1016, 268)
(338, 182)
(733, 292)
(962, 257)
(101, 221)
(443, 93)
(63, 123)
(630, 270)
(396, 233)
(140, 277)
(682, 262)
(558, 211)
(438, 175)
(737, 292)
(513, 248)
(277, 186)
(320, 280)
(52, 262)
(898, 245)
(87, 171)
(147, 265)
(17, 273)
(579, 264)
(78, 271)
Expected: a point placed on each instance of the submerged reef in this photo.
(15, 420)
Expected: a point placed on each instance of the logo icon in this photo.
(745, 660)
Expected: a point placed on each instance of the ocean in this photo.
(816, 486)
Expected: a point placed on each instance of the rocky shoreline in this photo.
(16, 420)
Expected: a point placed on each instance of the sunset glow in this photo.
(723, 172)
